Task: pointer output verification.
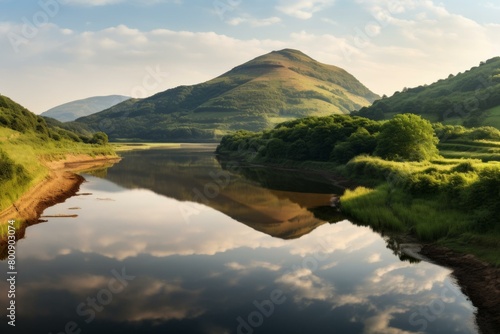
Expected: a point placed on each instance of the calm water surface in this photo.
(167, 241)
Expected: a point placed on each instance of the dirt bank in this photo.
(479, 280)
(60, 184)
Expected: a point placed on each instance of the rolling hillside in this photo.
(28, 143)
(275, 87)
(471, 98)
(72, 110)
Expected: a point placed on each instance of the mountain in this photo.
(471, 98)
(265, 91)
(72, 110)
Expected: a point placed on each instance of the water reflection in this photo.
(211, 274)
(196, 176)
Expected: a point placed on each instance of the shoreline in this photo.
(472, 274)
(478, 280)
(61, 183)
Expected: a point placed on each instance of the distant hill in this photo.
(265, 91)
(471, 98)
(72, 110)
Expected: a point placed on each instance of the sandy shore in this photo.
(60, 184)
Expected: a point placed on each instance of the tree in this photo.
(407, 137)
(99, 138)
(360, 142)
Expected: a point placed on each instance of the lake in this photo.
(175, 241)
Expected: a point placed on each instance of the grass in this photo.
(484, 150)
(369, 206)
(387, 208)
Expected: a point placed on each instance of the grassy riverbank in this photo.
(30, 151)
(437, 198)
(451, 202)
(25, 158)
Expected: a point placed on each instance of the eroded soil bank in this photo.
(60, 184)
(479, 280)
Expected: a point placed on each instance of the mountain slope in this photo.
(72, 110)
(471, 98)
(267, 90)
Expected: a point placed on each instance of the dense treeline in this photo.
(311, 138)
(339, 138)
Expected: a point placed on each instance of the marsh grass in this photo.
(389, 209)
(370, 207)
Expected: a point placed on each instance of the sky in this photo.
(57, 51)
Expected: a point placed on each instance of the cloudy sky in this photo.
(56, 51)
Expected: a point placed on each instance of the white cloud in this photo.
(303, 9)
(307, 287)
(380, 323)
(253, 22)
(374, 258)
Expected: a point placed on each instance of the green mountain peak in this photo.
(256, 95)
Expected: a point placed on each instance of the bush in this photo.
(99, 138)
(407, 137)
